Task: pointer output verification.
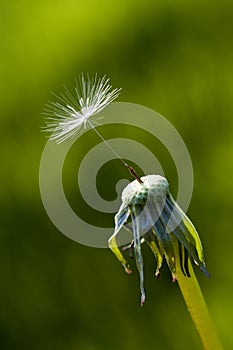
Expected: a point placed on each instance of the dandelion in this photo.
(148, 209)
(149, 212)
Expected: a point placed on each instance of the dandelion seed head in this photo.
(150, 213)
(71, 113)
(153, 185)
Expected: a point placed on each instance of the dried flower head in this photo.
(70, 114)
(150, 213)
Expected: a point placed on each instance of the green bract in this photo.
(150, 213)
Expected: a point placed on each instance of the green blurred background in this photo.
(173, 56)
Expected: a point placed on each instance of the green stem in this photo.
(197, 307)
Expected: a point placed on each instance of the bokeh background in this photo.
(173, 56)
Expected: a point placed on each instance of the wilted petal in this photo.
(184, 231)
(165, 241)
(153, 243)
(184, 259)
(137, 250)
(147, 215)
(120, 218)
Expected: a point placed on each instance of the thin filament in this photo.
(131, 169)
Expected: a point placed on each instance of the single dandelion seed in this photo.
(150, 213)
(70, 114)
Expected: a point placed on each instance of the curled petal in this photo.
(163, 237)
(137, 250)
(153, 243)
(185, 232)
(186, 225)
(184, 259)
(147, 214)
(166, 242)
(120, 218)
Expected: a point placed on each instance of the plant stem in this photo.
(196, 305)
